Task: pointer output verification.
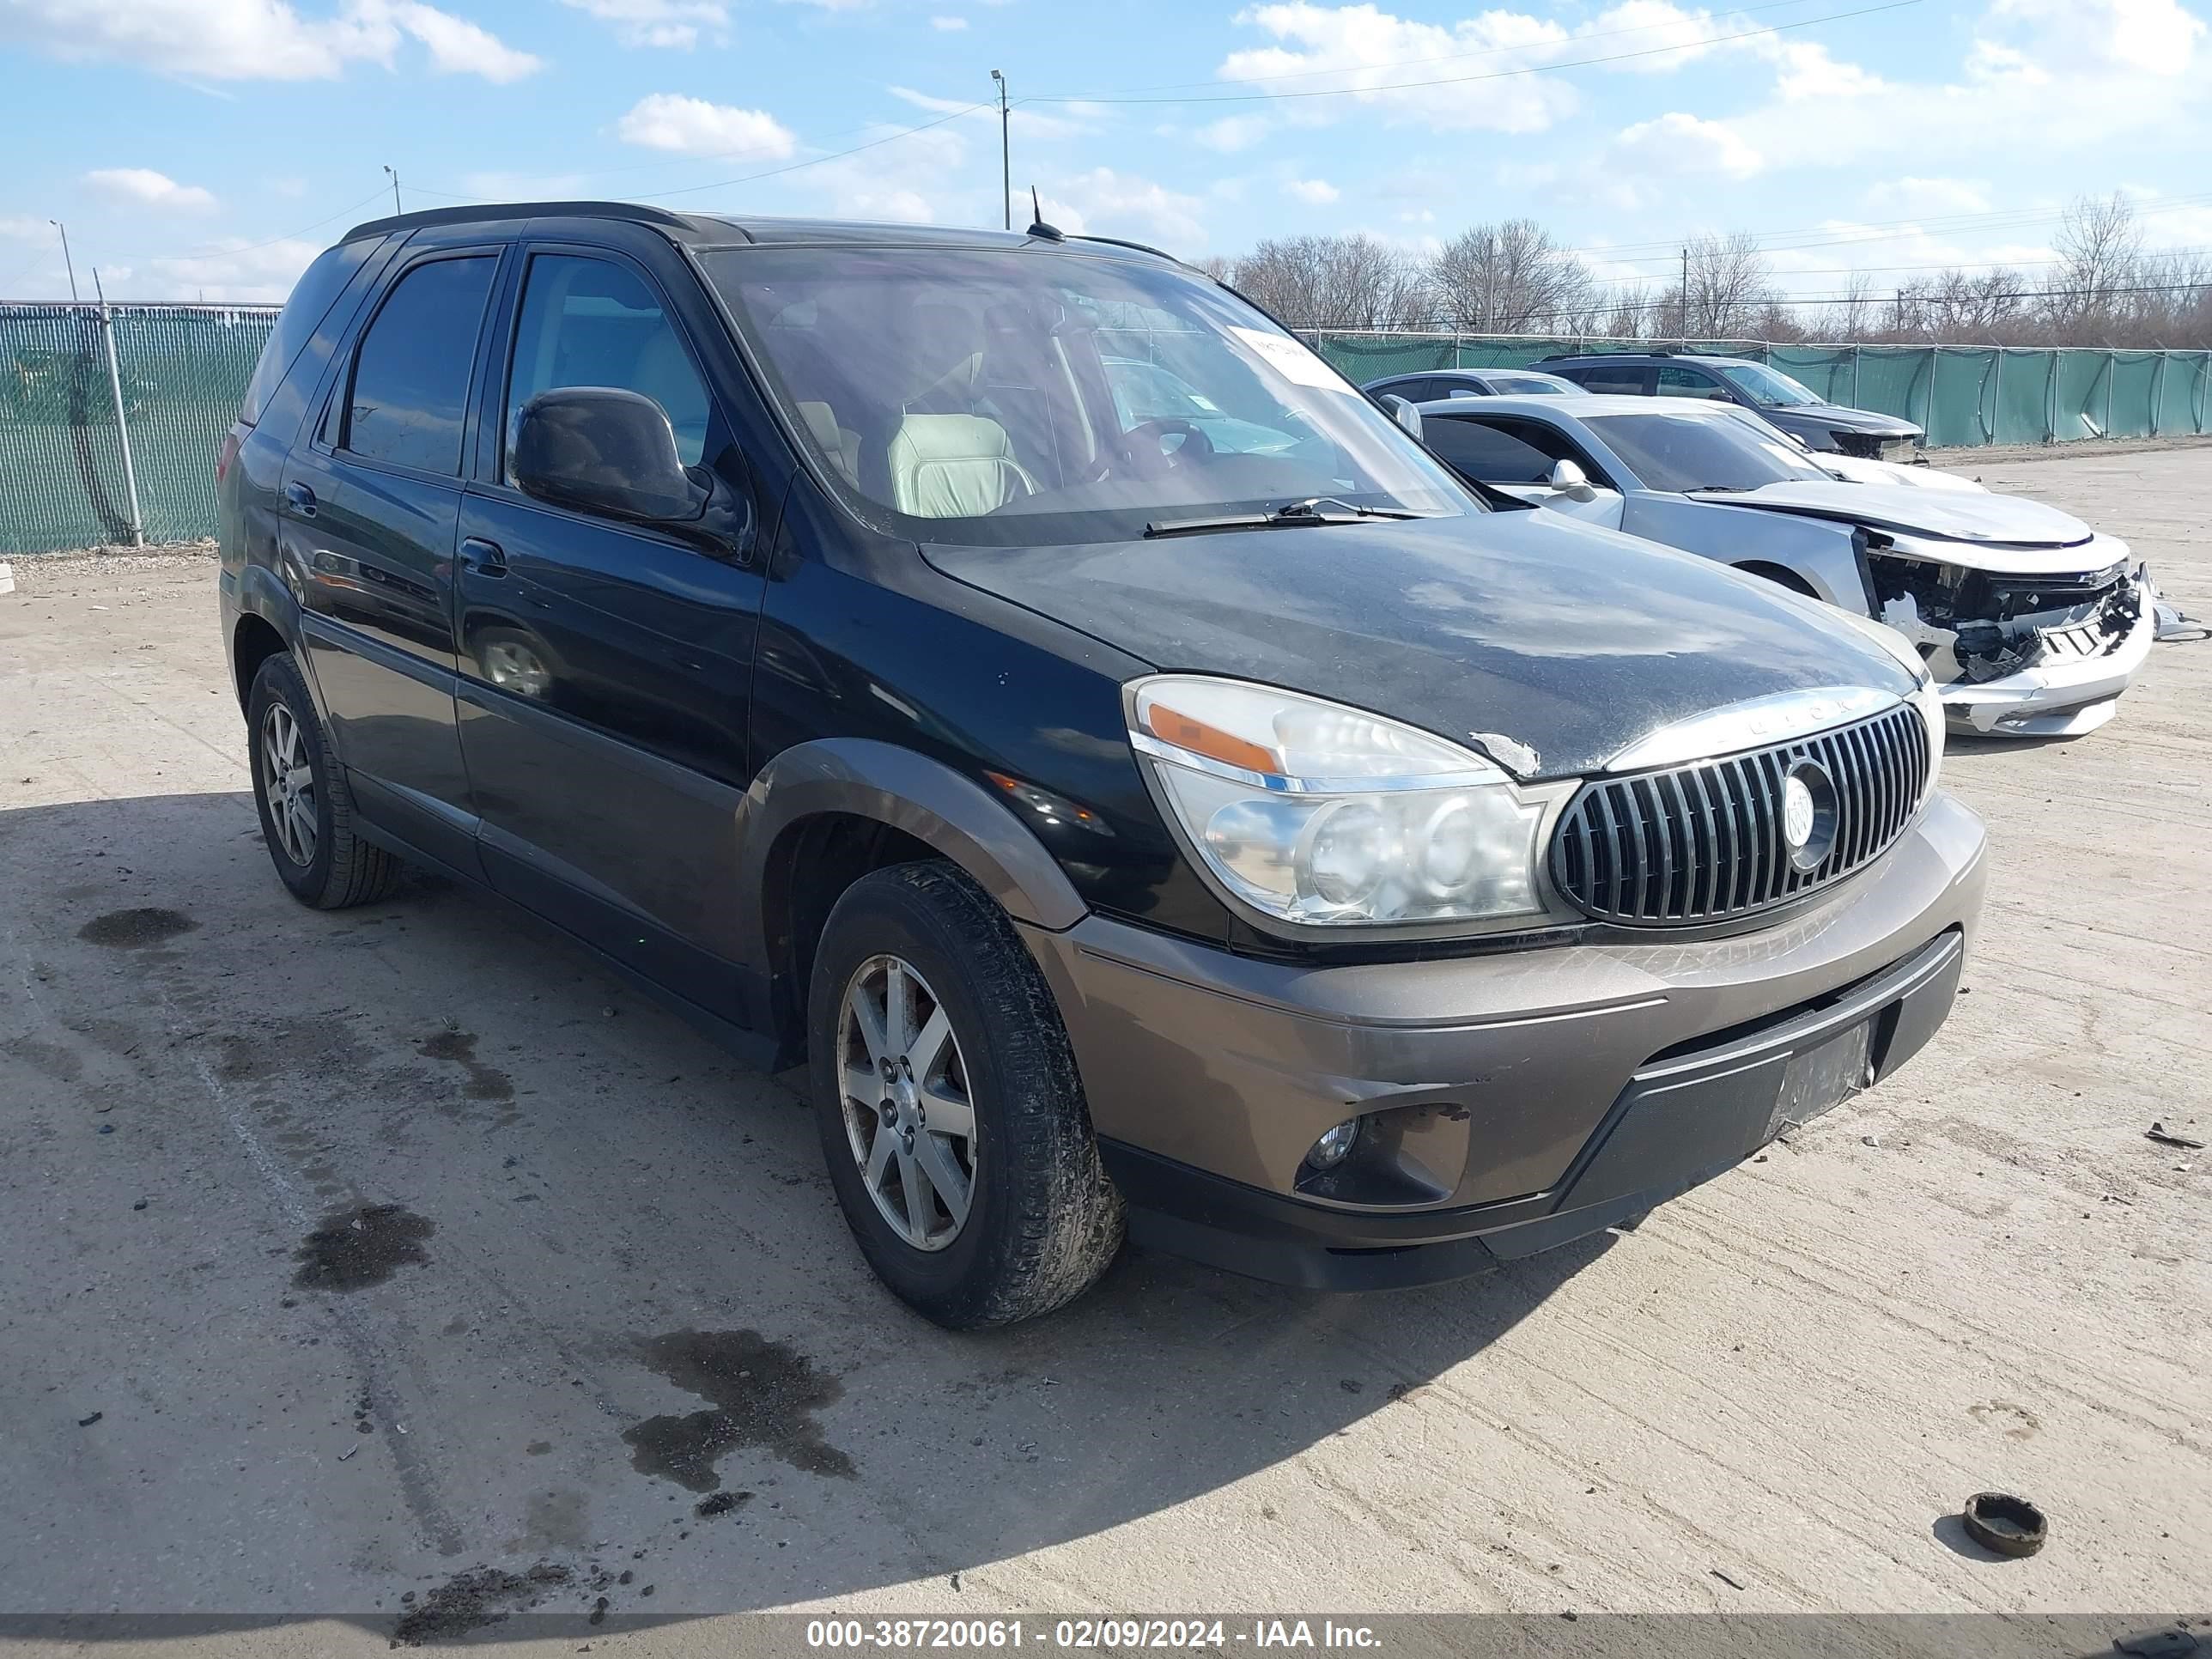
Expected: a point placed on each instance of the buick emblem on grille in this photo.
(1809, 813)
(1796, 813)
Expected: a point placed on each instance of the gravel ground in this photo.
(400, 1263)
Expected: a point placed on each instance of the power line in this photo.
(1492, 74)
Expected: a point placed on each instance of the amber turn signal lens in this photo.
(1169, 725)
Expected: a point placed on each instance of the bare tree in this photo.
(2100, 251)
(1333, 282)
(1728, 285)
(1851, 317)
(1633, 310)
(1507, 279)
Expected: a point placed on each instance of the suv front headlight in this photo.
(1323, 814)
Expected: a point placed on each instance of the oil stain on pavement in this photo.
(764, 1394)
(485, 1082)
(472, 1600)
(355, 1249)
(136, 929)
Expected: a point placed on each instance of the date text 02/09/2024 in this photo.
(970, 1634)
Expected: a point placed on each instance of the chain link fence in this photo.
(69, 470)
(1959, 395)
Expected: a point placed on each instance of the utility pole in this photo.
(1686, 293)
(66, 260)
(396, 208)
(122, 422)
(1005, 151)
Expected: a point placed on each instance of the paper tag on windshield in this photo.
(1292, 361)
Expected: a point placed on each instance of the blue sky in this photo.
(192, 146)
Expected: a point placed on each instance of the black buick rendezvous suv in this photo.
(1224, 826)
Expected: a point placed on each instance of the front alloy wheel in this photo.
(951, 1112)
(289, 779)
(908, 1115)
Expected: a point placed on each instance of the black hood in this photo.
(1571, 641)
(1834, 417)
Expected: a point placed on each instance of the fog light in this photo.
(1334, 1147)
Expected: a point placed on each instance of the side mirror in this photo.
(1404, 413)
(1569, 480)
(605, 450)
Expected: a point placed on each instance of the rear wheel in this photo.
(951, 1112)
(306, 809)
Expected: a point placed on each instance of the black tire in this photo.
(342, 869)
(1781, 576)
(1043, 1220)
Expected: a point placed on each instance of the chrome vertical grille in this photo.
(1705, 841)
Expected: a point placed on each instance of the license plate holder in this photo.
(1822, 1079)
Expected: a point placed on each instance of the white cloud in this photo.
(1319, 191)
(692, 126)
(1936, 197)
(948, 25)
(1232, 133)
(2052, 77)
(672, 23)
(2148, 37)
(1122, 204)
(1675, 145)
(1375, 57)
(143, 187)
(23, 228)
(233, 270)
(457, 46)
(914, 181)
(1654, 23)
(257, 39)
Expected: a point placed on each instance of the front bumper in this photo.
(1544, 1094)
(2062, 696)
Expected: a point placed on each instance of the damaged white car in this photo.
(2031, 623)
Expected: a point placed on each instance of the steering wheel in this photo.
(1196, 445)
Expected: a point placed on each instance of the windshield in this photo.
(1767, 388)
(1686, 452)
(1022, 397)
(1532, 385)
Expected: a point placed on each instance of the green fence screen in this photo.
(1959, 395)
(183, 370)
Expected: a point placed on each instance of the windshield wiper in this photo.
(1314, 509)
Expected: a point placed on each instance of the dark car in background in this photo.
(1260, 843)
(1431, 384)
(1767, 393)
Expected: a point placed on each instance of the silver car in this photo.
(2031, 622)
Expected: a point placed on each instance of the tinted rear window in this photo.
(312, 295)
(410, 383)
(1482, 452)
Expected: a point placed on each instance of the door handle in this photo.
(485, 558)
(300, 499)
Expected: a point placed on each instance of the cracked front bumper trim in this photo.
(2063, 699)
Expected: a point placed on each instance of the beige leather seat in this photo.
(954, 466)
(840, 443)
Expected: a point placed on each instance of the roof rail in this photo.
(1139, 247)
(633, 211)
